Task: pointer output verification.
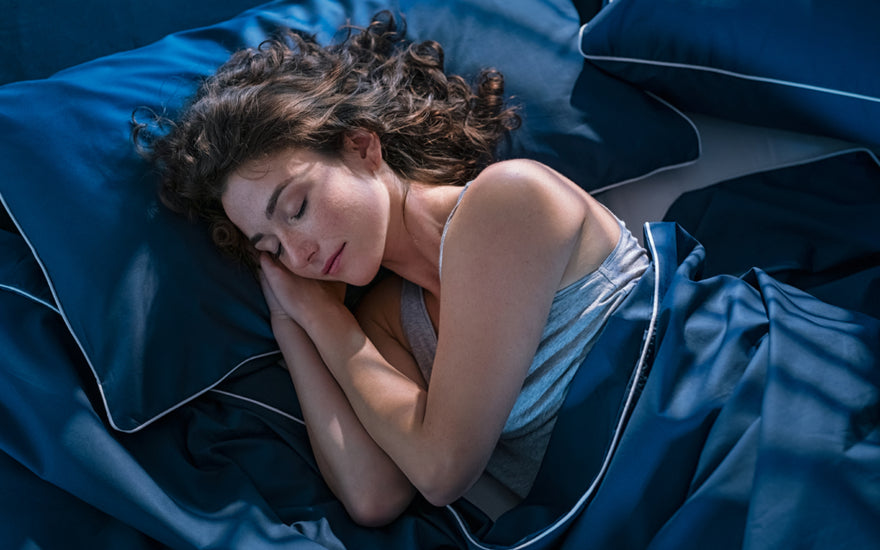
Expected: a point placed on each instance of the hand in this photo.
(276, 311)
(290, 296)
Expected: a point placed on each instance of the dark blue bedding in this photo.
(714, 413)
(141, 400)
(37, 39)
(803, 66)
(812, 225)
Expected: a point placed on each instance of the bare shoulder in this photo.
(522, 174)
(530, 195)
(536, 207)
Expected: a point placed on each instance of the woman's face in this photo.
(323, 217)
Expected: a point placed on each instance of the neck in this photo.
(416, 228)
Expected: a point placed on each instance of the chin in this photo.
(363, 278)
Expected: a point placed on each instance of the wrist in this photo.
(279, 316)
(316, 315)
(328, 324)
(281, 319)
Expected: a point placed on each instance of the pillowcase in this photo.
(38, 39)
(803, 66)
(19, 272)
(593, 128)
(159, 314)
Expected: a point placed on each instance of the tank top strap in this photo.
(448, 220)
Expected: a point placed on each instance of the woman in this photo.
(323, 165)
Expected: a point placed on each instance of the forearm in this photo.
(389, 405)
(353, 465)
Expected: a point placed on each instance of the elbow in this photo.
(378, 508)
(441, 496)
(446, 482)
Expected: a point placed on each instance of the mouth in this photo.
(332, 265)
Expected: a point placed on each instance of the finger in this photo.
(264, 283)
(270, 269)
(267, 263)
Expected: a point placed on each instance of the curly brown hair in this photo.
(290, 92)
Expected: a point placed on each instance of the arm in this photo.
(506, 254)
(357, 470)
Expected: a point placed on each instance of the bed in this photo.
(732, 401)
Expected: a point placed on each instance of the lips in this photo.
(332, 265)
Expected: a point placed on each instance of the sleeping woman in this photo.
(321, 165)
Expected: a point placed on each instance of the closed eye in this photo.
(302, 210)
(279, 250)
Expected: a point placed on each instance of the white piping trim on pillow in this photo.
(725, 72)
(623, 418)
(20, 292)
(259, 404)
(60, 310)
(184, 401)
(662, 168)
(16, 290)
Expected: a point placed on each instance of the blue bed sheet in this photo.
(714, 413)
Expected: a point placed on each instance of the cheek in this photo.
(359, 211)
(378, 205)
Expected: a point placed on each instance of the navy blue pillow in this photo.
(593, 128)
(19, 272)
(38, 39)
(160, 316)
(804, 66)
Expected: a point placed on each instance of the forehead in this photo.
(245, 189)
(262, 170)
(248, 188)
(274, 167)
(260, 175)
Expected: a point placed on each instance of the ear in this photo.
(365, 145)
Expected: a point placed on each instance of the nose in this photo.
(300, 250)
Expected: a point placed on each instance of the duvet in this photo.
(717, 412)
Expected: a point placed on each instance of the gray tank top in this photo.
(577, 316)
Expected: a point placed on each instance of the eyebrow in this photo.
(273, 198)
(270, 206)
